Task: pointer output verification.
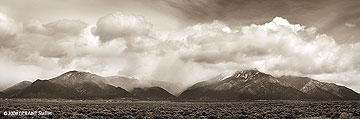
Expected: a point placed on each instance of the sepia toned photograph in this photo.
(179, 59)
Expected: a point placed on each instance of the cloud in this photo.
(7, 25)
(350, 25)
(66, 27)
(246, 12)
(121, 25)
(36, 41)
(277, 46)
(7, 30)
(59, 28)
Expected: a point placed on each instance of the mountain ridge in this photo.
(152, 93)
(16, 89)
(131, 83)
(241, 85)
(253, 84)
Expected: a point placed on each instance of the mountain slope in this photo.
(319, 90)
(15, 89)
(125, 82)
(47, 89)
(89, 85)
(213, 80)
(131, 83)
(152, 92)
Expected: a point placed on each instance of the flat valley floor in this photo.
(107, 109)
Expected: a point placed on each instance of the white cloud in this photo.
(57, 39)
(120, 25)
(280, 45)
(7, 25)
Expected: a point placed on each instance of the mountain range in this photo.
(131, 83)
(256, 85)
(241, 85)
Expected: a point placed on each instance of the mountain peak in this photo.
(73, 71)
(13, 90)
(72, 78)
(249, 74)
(76, 72)
(25, 82)
(152, 92)
(22, 83)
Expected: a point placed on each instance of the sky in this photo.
(180, 41)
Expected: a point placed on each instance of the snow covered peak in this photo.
(249, 74)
